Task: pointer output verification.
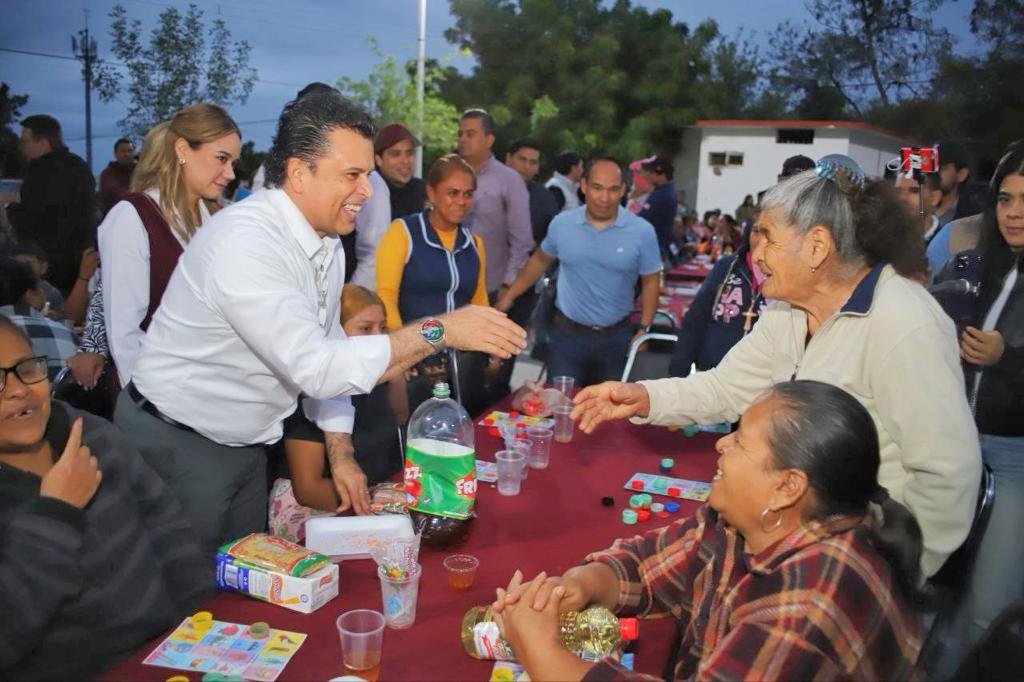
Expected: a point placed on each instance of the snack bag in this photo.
(275, 554)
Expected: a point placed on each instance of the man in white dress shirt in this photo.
(250, 319)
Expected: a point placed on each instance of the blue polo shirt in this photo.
(599, 268)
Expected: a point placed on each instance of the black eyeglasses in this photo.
(28, 371)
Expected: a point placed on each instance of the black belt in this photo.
(590, 329)
(150, 408)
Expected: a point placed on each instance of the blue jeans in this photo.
(997, 579)
(588, 357)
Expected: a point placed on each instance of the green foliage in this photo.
(10, 114)
(183, 64)
(596, 76)
(390, 95)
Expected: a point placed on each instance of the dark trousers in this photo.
(222, 490)
(588, 356)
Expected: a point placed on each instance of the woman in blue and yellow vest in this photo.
(429, 263)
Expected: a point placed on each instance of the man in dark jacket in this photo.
(660, 208)
(394, 151)
(116, 178)
(726, 307)
(56, 209)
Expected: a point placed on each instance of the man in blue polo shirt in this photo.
(603, 249)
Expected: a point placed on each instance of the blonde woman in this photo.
(184, 167)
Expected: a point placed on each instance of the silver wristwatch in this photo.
(432, 331)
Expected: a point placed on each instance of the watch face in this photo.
(432, 331)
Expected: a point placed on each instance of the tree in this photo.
(583, 75)
(10, 113)
(183, 64)
(390, 95)
(862, 51)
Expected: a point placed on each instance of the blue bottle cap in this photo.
(672, 507)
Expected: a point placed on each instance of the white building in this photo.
(722, 161)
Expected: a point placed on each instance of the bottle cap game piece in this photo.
(643, 515)
(489, 421)
(494, 432)
(637, 485)
(667, 463)
(259, 630)
(691, 430)
(179, 678)
(636, 501)
(513, 415)
(646, 499)
(660, 484)
(662, 515)
(208, 677)
(657, 507)
(672, 491)
(202, 620)
(608, 501)
(629, 516)
(672, 507)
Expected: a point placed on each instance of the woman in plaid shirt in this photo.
(798, 567)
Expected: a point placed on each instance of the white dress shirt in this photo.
(371, 225)
(124, 252)
(249, 320)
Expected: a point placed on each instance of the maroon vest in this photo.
(164, 250)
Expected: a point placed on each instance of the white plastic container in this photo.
(348, 537)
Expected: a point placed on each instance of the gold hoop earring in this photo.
(778, 521)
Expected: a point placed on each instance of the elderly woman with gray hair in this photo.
(842, 259)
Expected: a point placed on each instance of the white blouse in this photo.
(124, 254)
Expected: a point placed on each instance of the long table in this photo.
(554, 522)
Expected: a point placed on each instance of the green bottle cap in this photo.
(636, 501)
(660, 484)
(629, 517)
(441, 390)
(646, 499)
(691, 430)
(667, 463)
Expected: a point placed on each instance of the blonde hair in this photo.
(159, 169)
(355, 299)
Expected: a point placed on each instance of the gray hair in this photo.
(302, 131)
(809, 199)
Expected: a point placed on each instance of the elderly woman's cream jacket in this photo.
(893, 348)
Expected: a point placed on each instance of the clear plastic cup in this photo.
(362, 639)
(564, 384)
(540, 453)
(461, 569)
(563, 424)
(510, 471)
(524, 446)
(399, 596)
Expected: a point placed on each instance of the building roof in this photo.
(790, 123)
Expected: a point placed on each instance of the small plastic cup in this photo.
(524, 446)
(564, 384)
(461, 569)
(399, 596)
(563, 424)
(540, 453)
(362, 637)
(510, 471)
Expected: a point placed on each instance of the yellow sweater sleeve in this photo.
(480, 295)
(391, 255)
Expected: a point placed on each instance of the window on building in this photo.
(795, 136)
(725, 159)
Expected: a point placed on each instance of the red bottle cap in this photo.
(488, 421)
(629, 629)
(513, 415)
(672, 492)
(637, 485)
(494, 432)
(643, 515)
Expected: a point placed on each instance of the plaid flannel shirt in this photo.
(819, 604)
(48, 338)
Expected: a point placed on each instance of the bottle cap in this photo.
(667, 463)
(179, 678)
(259, 630)
(629, 517)
(657, 507)
(673, 491)
(643, 515)
(636, 501)
(672, 507)
(691, 430)
(637, 485)
(647, 499)
(441, 390)
(629, 629)
(202, 620)
(608, 501)
(494, 432)
(513, 415)
(208, 677)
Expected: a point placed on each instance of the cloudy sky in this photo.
(293, 42)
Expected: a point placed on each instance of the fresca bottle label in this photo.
(441, 477)
(489, 644)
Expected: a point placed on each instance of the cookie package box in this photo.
(305, 594)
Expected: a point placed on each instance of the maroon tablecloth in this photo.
(691, 271)
(550, 526)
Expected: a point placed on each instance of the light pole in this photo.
(420, 75)
(84, 49)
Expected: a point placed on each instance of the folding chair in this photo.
(653, 364)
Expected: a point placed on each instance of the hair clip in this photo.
(840, 169)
